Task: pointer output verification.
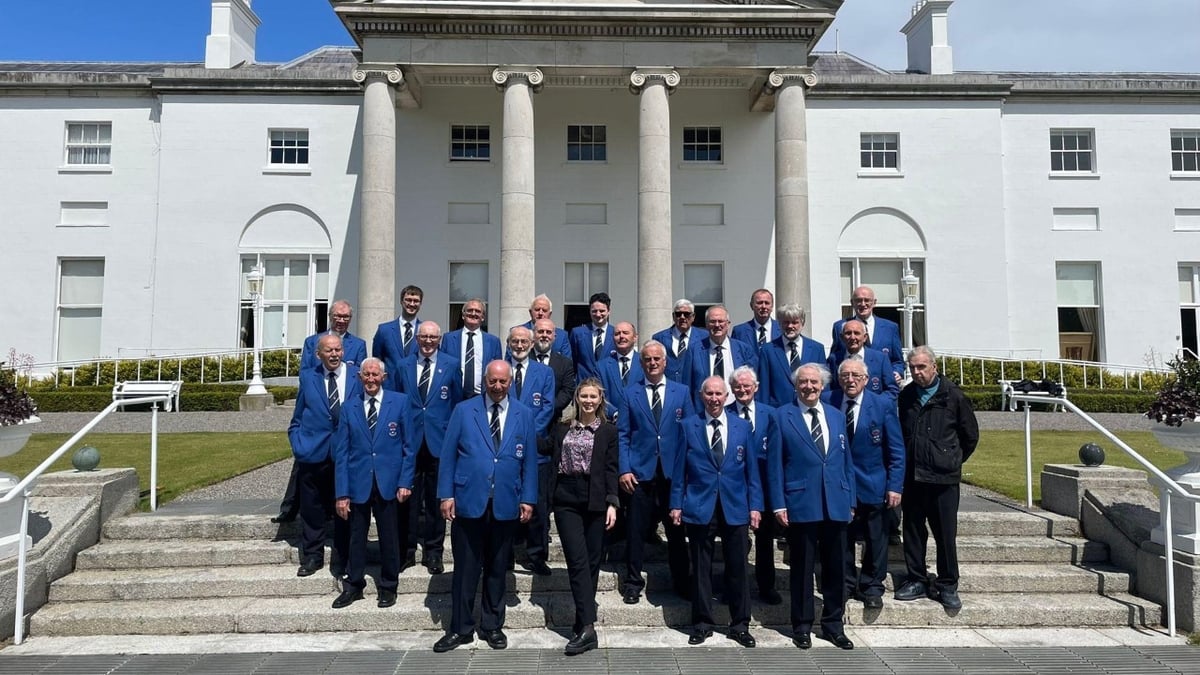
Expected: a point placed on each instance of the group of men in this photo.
(722, 430)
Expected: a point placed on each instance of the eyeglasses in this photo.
(851, 376)
(343, 316)
(683, 314)
(863, 301)
(429, 338)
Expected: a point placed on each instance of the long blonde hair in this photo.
(571, 412)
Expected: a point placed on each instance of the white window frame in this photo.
(851, 277)
(1185, 151)
(1098, 304)
(315, 301)
(469, 145)
(1189, 307)
(1069, 153)
(459, 300)
(91, 142)
(704, 147)
(703, 301)
(596, 278)
(61, 306)
(591, 145)
(873, 152)
(285, 141)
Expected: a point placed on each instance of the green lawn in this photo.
(999, 462)
(185, 461)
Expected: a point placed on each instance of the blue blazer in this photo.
(877, 449)
(583, 350)
(429, 418)
(698, 481)
(812, 486)
(354, 350)
(879, 373)
(643, 443)
(748, 332)
(698, 369)
(675, 362)
(452, 344)
(561, 345)
(383, 457)
(310, 432)
(610, 377)
(775, 374)
(388, 344)
(886, 339)
(472, 467)
(537, 393)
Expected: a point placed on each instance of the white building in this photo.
(460, 144)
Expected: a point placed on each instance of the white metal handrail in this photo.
(151, 367)
(23, 488)
(1166, 482)
(1054, 369)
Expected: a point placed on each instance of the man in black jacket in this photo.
(940, 433)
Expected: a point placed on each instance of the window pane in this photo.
(273, 284)
(847, 280)
(298, 281)
(1186, 290)
(272, 320)
(1076, 284)
(597, 278)
(82, 282)
(297, 325)
(79, 333)
(574, 288)
(883, 276)
(321, 290)
(703, 283)
(468, 280)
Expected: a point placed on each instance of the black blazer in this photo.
(602, 487)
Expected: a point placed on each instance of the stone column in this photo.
(377, 229)
(518, 282)
(655, 265)
(792, 269)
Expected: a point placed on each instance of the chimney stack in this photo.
(230, 41)
(928, 33)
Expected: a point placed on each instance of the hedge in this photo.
(193, 398)
(977, 372)
(276, 363)
(1089, 400)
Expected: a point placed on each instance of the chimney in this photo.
(928, 33)
(230, 41)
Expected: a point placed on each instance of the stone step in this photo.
(555, 609)
(133, 554)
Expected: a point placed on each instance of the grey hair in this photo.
(820, 368)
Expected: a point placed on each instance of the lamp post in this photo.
(254, 281)
(912, 287)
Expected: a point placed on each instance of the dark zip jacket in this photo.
(938, 436)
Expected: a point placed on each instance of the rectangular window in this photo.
(89, 143)
(1072, 151)
(704, 285)
(80, 308)
(879, 152)
(580, 281)
(702, 144)
(468, 280)
(470, 143)
(1185, 150)
(885, 277)
(289, 147)
(587, 143)
(1189, 303)
(295, 299)
(1077, 286)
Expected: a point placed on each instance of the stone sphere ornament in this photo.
(86, 458)
(1091, 454)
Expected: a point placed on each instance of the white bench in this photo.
(137, 389)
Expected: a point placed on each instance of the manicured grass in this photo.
(185, 461)
(999, 462)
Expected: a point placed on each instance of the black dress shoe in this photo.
(802, 640)
(540, 568)
(771, 597)
(496, 639)
(309, 567)
(873, 602)
(435, 566)
(585, 641)
(386, 598)
(950, 599)
(698, 636)
(912, 590)
(284, 517)
(452, 641)
(840, 641)
(743, 638)
(347, 598)
(631, 597)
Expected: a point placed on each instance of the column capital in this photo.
(389, 71)
(798, 75)
(641, 76)
(530, 74)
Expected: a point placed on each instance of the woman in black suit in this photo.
(583, 496)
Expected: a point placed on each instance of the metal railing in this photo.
(213, 368)
(1166, 483)
(23, 488)
(1093, 372)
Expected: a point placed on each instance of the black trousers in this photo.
(537, 530)
(481, 546)
(387, 523)
(764, 543)
(314, 492)
(735, 545)
(421, 518)
(582, 535)
(807, 541)
(936, 505)
(869, 527)
(649, 505)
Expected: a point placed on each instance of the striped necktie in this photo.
(495, 424)
(426, 377)
(818, 436)
(717, 446)
(335, 401)
(372, 415)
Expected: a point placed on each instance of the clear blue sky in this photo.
(1040, 35)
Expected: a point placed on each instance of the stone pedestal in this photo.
(1063, 485)
(255, 402)
(1185, 516)
(1151, 579)
(10, 518)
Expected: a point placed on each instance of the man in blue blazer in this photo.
(624, 368)
(372, 462)
(715, 491)
(542, 308)
(716, 354)
(761, 329)
(592, 342)
(744, 384)
(433, 383)
(877, 450)
(649, 428)
(879, 372)
(487, 483)
(679, 337)
(562, 367)
(396, 339)
(882, 335)
(354, 348)
(811, 478)
(783, 355)
(314, 421)
(533, 385)
(472, 347)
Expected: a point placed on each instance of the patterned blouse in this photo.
(577, 449)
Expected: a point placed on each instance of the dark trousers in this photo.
(537, 530)
(314, 492)
(827, 539)
(649, 505)
(387, 524)
(936, 505)
(869, 527)
(421, 520)
(582, 535)
(764, 552)
(735, 545)
(288, 505)
(480, 546)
